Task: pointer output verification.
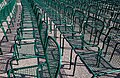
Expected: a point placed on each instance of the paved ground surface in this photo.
(81, 71)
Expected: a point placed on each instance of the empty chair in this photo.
(102, 61)
(90, 35)
(49, 68)
(77, 27)
(53, 60)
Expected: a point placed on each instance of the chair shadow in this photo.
(118, 75)
(6, 55)
(4, 65)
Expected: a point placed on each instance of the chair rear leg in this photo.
(75, 65)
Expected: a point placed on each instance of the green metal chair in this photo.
(41, 39)
(90, 35)
(76, 28)
(4, 13)
(13, 12)
(103, 61)
(27, 25)
(116, 19)
(106, 14)
(66, 25)
(59, 19)
(53, 60)
(77, 4)
(37, 47)
(84, 6)
(92, 10)
(48, 69)
(28, 70)
(30, 42)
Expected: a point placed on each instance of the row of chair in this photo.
(108, 15)
(7, 15)
(5, 12)
(84, 33)
(33, 27)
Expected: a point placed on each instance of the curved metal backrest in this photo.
(69, 12)
(111, 47)
(68, 15)
(53, 4)
(35, 9)
(84, 7)
(112, 34)
(116, 22)
(78, 20)
(42, 29)
(77, 4)
(93, 10)
(93, 29)
(53, 57)
(57, 5)
(62, 8)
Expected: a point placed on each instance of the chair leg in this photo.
(37, 72)
(17, 62)
(11, 49)
(55, 32)
(4, 33)
(71, 58)
(99, 59)
(35, 48)
(62, 46)
(93, 76)
(12, 23)
(1, 51)
(60, 41)
(75, 65)
(8, 26)
(51, 26)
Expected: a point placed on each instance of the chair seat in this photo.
(90, 60)
(64, 29)
(26, 72)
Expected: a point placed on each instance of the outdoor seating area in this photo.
(60, 39)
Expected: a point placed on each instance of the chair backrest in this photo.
(111, 47)
(42, 29)
(84, 7)
(116, 22)
(92, 30)
(78, 20)
(35, 9)
(77, 4)
(53, 57)
(69, 12)
(92, 10)
(62, 8)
